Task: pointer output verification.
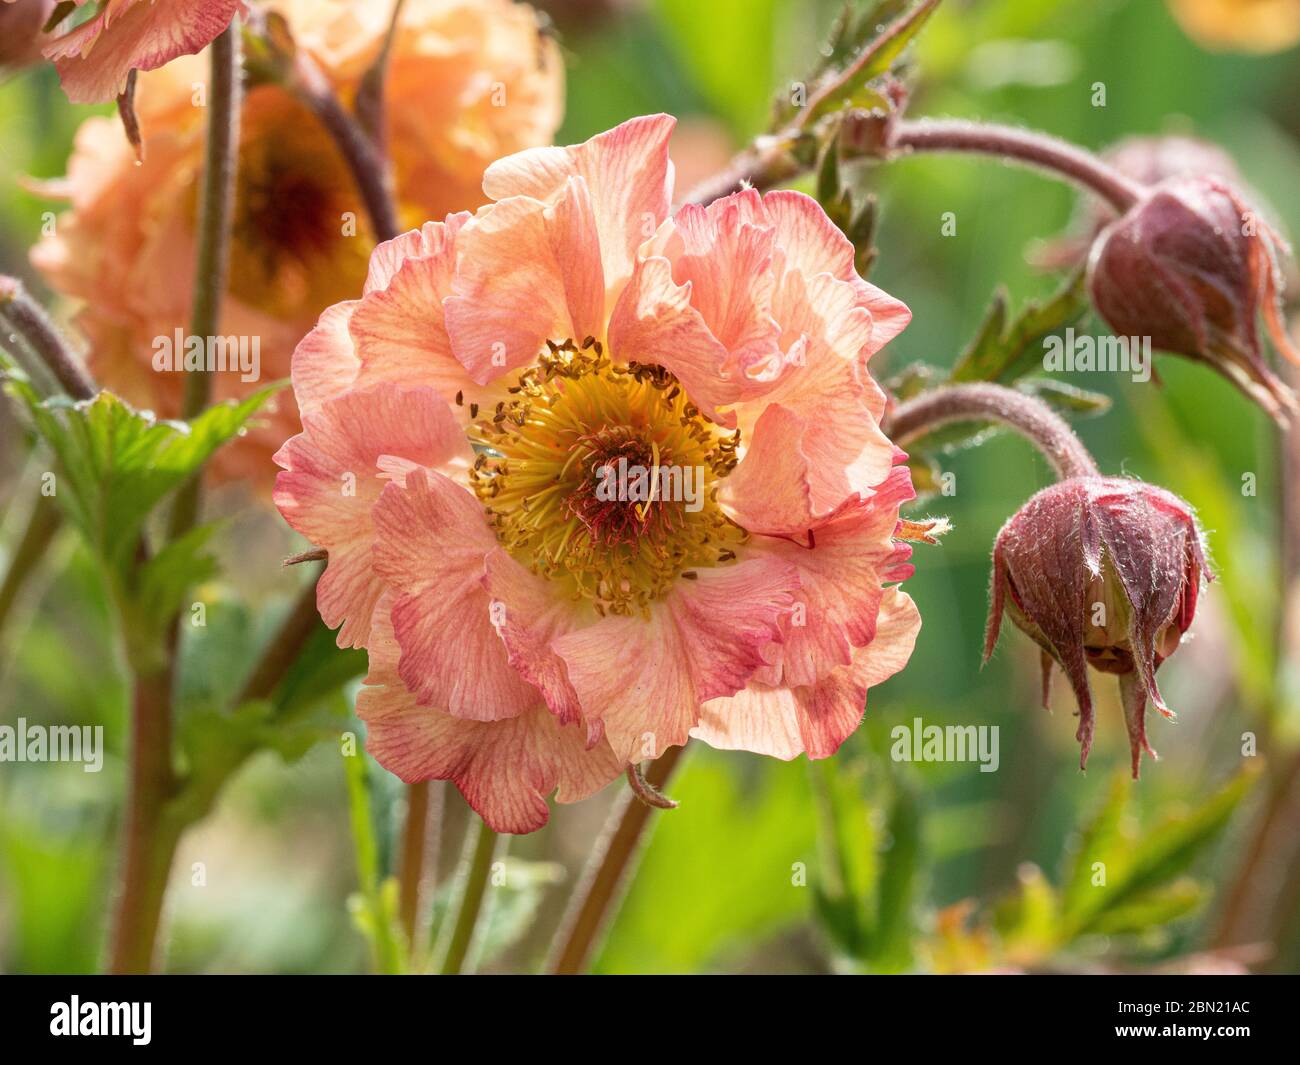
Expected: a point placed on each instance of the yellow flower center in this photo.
(605, 476)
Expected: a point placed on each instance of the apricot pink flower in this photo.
(95, 57)
(530, 627)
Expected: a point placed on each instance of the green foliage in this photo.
(1006, 347)
(117, 463)
(870, 858)
(1117, 880)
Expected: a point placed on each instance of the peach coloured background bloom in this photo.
(484, 671)
(125, 249)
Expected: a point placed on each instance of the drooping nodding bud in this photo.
(1101, 572)
(1193, 267)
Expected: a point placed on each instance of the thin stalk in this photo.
(151, 835)
(364, 157)
(1038, 150)
(414, 841)
(612, 861)
(282, 650)
(22, 315)
(42, 524)
(212, 261)
(471, 901)
(1030, 417)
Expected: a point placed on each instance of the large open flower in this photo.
(593, 480)
(300, 238)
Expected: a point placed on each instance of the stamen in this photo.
(583, 473)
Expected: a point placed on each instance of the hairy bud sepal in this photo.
(1193, 266)
(1101, 572)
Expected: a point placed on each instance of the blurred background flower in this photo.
(470, 80)
(1240, 25)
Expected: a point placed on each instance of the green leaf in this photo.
(118, 463)
(1098, 841)
(899, 864)
(1168, 849)
(852, 86)
(163, 581)
(1004, 348)
(1066, 398)
(1153, 909)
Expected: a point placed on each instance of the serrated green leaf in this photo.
(1004, 348)
(852, 86)
(162, 582)
(117, 463)
(1168, 849)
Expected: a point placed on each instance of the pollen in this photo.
(604, 476)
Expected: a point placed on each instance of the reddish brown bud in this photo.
(1101, 572)
(1192, 266)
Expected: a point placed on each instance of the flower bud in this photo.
(1192, 266)
(1148, 161)
(1101, 572)
(21, 22)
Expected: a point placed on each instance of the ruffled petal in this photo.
(398, 329)
(95, 58)
(528, 272)
(643, 679)
(528, 615)
(332, 478)
(505, 769)
(842, 574)
(654, 322)
(816, 719)
(432, 543)
(726, 260)
(627, 170)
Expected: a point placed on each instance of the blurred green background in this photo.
(720, 888)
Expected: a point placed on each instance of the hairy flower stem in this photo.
(477, 874)
(411, 873)
(151, 834)
(765, 164)
(364, 158)
(607, 872)
(42, 524)
(1030, 417)
(1019, 145)
(770, 160)
(28, 321)
(212, 262)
